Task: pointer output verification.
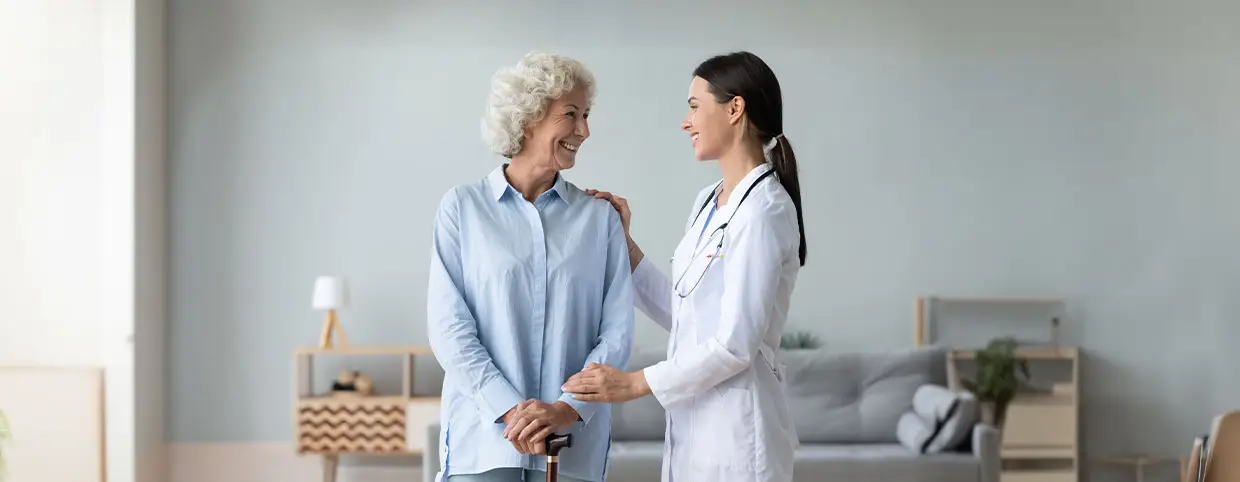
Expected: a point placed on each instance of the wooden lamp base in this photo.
(332, 327)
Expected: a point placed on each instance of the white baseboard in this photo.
(265, 462)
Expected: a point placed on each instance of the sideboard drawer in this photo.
(351, 425)
(1040, 424)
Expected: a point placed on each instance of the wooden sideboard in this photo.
(331, 425)
(1041, 432)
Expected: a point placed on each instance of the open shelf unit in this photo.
(1041, 432)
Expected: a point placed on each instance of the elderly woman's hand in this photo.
(532, 421)
(603, 383)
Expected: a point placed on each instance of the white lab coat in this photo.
(721, 384)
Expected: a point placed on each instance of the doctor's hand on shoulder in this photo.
(604, 383)
(622, 206)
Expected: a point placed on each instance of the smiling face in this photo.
(563, 129)
(710, 124)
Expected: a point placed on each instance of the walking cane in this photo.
(554, 443)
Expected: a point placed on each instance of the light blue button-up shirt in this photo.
(522, 296)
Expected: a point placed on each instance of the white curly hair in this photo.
(520, 95)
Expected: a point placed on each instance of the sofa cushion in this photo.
(949, 414)
(642, 461)
(882, 463)
(857, 397)
(643, 419)
(635, 461)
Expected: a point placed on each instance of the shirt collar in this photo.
(499, 185)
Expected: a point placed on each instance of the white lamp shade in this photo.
(330, 293)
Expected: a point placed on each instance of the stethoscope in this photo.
(719, 230)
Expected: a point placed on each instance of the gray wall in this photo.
(1087, 149)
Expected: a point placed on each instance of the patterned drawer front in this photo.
(351, 426)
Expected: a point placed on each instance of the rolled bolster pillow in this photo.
(948, 417)
(913, 431)
(934, 402)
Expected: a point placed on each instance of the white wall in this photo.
(51, 101)
(81, 207)
(1086, 149)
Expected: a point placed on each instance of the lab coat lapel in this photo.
(734, 199)
(690, 243)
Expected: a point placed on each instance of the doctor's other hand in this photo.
(621, 205)
(532, 421)
(604, 383)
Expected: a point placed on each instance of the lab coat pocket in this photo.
(727, 431)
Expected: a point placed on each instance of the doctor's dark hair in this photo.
(745, 75)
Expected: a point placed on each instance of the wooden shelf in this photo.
(367, 350)
(1037, 453)
(375, 400)
(997, 299)
(1067, 353)
(1032, 475)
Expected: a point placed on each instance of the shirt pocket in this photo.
(579, 262)
(495, 255)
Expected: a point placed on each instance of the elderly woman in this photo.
(529, 284)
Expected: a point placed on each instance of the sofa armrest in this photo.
(986, 447)
(430, 456)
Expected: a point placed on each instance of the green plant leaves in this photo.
(6, 434)
(799, 340)
(999, 372)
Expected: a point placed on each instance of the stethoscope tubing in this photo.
(718, 246)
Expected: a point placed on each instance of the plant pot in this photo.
(988, 413)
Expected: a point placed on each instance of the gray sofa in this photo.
(846, 406)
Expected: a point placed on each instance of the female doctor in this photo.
(727, 299)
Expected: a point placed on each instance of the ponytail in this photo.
(785, 164)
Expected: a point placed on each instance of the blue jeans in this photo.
(507, 475)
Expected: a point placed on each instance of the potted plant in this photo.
(998, 379)
(798, 340)
(5, 435)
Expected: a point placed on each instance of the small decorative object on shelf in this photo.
(330, 294)
(352, 383)
(6, 434)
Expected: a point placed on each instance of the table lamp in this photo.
(330, 294)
